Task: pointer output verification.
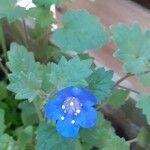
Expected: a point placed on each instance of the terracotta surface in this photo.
(111, 12)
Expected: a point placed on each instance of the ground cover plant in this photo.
(52, 94)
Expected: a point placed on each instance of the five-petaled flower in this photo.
(71, 107)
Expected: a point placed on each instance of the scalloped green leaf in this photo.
(12, 12)
(100, 82)
(48, 138)
(118, 97)
(133, 47)
(73, 72)
(77, 35)
(3, 90)
(102, 135)
(144, 104)
(46, 3)
(7, 142)
(143, 137)
(145, 79)
(28, 113)
(2, 125)
(25, 77)
(42, 16)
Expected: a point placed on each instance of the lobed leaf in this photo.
(77, 35)
(144, 104)
(25, 79)
(12, 12)
(46, 3)
(2, 125)
(118, 97)
(103, 136)
(69, 73)
(48, 138)
(133, 47)
(3, 90)
(100, 82)
(42, 16)
(28, 113)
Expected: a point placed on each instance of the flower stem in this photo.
(123, 78)
(126, 88)
(132, 141)
(39, 113)
(25, 32)
(3, 68)
(3, 42)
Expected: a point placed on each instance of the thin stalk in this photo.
(39, 113)
(25, 32)
(3, 42)
(123, 78)
(3, 69)
(126, 88)
(132, 141)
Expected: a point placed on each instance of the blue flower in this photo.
(71, 107)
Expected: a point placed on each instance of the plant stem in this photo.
(123, 87)
(39, 113)
(25, 32)
(123, 78)
(3, 42)
(3, 68)
(132, 141)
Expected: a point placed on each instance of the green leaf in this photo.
(3, 90)
(25, 79)
(133, 47)
(48, 139)
(12, 12)
(118, 97)
(2, 125)
(143, 137)
(145, 79)
(144, 104)
(28, 113)
(116, 143)
(7, 142)
(25, 137)
(102, 136)
(46, 3)
(42, 16)
(80, 35)
(100, 82)
(47, 86)
(72, 72)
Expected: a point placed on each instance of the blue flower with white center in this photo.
(71, 107)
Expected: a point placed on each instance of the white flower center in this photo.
(72, 105)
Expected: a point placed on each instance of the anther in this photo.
(72, 121)
(75, 114)
(62, 117)
(71, 103)
(78, 111)
(63, 107)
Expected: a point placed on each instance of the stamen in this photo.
(71, 103)
(62, 117)
(78, 111)
(72, 121)
(63, 107)
(75, 114)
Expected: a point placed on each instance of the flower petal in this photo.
(53, 110)
(85, 96)
(87, 118)
(64, 93)
(66, 128)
